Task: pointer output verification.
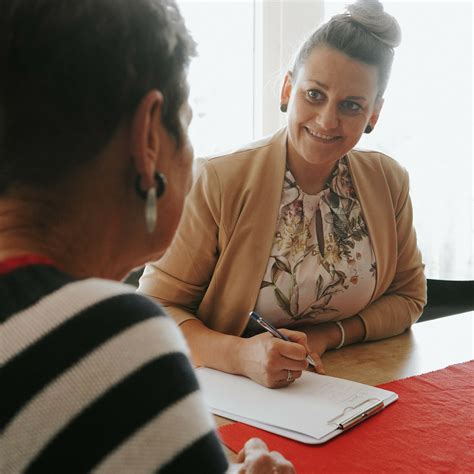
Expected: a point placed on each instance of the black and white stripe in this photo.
(97, 379)
(39, 279)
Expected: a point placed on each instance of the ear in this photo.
(286, 88)
(145, 136)
(376, 112)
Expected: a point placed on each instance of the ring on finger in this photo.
(289, 377)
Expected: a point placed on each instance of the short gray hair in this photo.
(73, 71)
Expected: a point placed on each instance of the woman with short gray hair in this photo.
(95, 164)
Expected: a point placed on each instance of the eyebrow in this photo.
(325, 87)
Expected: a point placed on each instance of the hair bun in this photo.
(371, 15)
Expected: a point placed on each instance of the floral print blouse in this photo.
(322, 265)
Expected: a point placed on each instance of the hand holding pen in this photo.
(286, 364)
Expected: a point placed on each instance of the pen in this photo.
(275, 332)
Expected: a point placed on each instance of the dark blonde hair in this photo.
(364, 32)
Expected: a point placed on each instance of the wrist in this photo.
(335, 339)
(237, 356)
(343, 334)
(328, 332)
(350, 330)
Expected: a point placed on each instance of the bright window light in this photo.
(221, 77)
(245, 47)
(426, 125)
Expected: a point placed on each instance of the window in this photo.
(221, 77)
(426, 125)
(246, 47)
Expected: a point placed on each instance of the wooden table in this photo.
(428, 346)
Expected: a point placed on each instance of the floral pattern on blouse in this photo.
(310, 281)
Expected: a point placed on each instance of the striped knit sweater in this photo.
(95, 378)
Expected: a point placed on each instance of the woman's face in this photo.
(330, 103)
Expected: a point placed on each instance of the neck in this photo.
(79, 228)
(71, 245)
(90, 223)
(310, 177)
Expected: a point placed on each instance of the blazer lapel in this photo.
(368, 179)
(271, 184)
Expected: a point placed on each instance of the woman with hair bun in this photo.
(311, 234)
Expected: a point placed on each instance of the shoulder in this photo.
(102, 300)
(250, 149)
(83, 315)
(245, 158)
(93, 291)
(120, 309)
(100, 347)
(377, 160)
(140, 361)
(368, 164)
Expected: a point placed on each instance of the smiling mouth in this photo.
(322, 136)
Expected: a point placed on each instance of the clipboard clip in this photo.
(358, 414)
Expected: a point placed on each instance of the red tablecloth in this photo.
(428, 430)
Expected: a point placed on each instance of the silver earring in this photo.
(150, 198)
(150, 210)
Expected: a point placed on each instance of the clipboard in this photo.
(313, 410)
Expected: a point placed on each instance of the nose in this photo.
(327, 117)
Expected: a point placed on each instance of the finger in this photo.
(241, 456)
(319, 366)
(254, 445)
(291, 364)
(282, 383)
(296, 336)
(294, 352)
(282, 464)
(299, 338)
(295, 374)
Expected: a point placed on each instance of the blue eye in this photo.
(349, 106)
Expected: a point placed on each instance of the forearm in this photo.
(212, 349)
(399, 298)
(391, 315)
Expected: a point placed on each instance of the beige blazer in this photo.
(216, 262)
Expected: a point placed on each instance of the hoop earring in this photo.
(150, 198)
(368, 129)
(283, 107)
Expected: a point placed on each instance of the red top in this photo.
(13, 263)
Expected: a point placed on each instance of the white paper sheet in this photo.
(308, 410)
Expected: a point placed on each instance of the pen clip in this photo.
(359, 413)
